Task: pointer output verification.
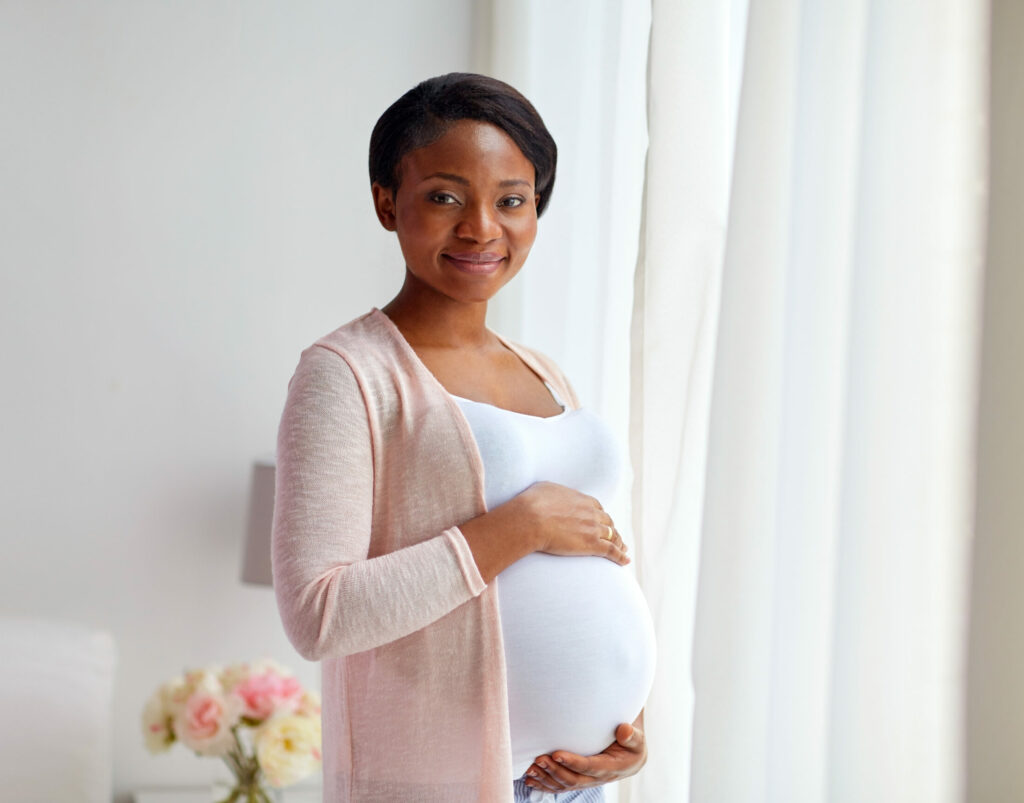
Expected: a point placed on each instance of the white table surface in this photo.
(191, 794)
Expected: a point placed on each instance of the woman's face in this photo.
(465, 211)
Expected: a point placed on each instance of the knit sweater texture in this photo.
(376, 468)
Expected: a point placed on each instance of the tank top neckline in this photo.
(563, 414)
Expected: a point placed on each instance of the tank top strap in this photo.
(555, 394)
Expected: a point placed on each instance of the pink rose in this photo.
(267, 693)
(205, 722)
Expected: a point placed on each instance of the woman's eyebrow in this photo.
(508, 182)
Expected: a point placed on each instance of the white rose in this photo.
(309, 704)
(175, 694)
(233, 675)
(207, 678)
(288, 748)
(156, 724)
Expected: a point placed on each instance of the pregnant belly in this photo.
(579, 650)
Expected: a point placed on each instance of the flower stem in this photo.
(248, 787)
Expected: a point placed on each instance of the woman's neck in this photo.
(432, 320)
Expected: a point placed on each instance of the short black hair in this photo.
(424, 113)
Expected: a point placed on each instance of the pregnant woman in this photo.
(439, 537)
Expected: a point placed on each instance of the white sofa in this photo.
(56, 693)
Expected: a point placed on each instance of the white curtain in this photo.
(995, 695)
(804, 362)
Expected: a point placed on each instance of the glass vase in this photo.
(236, 792)
(249, 784)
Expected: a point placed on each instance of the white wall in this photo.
(184, 207)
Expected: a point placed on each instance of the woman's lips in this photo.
(475, 262)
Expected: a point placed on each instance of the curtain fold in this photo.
(808, 303)
(693, 67)
(694, 57)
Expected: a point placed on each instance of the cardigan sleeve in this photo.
(332, 598)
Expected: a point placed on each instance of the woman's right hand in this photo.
(567, 522)
(546, 517)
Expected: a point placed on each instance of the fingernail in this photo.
(543, 765)
(531, 773)
(560, 760)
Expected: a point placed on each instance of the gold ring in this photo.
(611, 534)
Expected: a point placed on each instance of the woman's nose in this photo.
(479, 223)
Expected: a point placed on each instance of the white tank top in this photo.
(579, 641)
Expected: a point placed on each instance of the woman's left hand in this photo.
(564, 772)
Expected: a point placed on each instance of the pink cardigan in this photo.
(376, 467)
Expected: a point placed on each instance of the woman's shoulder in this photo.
(360, 332)
(370, 349)
(365, 340)
(349, 350)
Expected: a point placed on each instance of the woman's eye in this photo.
(512, 202)
(443, 198)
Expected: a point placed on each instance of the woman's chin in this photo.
(474, 295)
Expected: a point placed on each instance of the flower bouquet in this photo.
(256, 717)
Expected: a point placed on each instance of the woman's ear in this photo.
(536, 200)
(384, 204)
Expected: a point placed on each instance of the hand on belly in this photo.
(579, 652)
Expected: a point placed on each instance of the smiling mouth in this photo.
(475, 263)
